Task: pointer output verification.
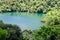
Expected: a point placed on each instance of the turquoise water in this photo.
(23, 20)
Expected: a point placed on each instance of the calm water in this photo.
(23, 20)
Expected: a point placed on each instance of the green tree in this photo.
(3, 34)
(53, 17)
(14, 32)
(47, 33)
(39, 6)
(27, 35)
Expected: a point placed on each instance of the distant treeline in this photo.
(34, 6)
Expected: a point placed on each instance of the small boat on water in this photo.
(42, 21)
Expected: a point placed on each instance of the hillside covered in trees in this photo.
(51, 20)
(34, 6)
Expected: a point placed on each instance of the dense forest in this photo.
(34, 6)
(10, 32)
(50, 31)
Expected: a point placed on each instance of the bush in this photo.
(53, 17)
(47, 33)
(39, 6)
(3, 34)
(14, 32)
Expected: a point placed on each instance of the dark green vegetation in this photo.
(50, 31)
(27, 35)
(39, 6)
(3, 34)
(10, 32)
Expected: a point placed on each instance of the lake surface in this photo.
(24, 20)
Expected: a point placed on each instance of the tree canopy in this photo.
(53, 17)
(39, 6)
(13, 32)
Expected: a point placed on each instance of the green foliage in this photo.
(47, 33)
(3, 34)
(53, 17)
(14, 32)
(29, 5)
(27, 35)
(52, 30)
